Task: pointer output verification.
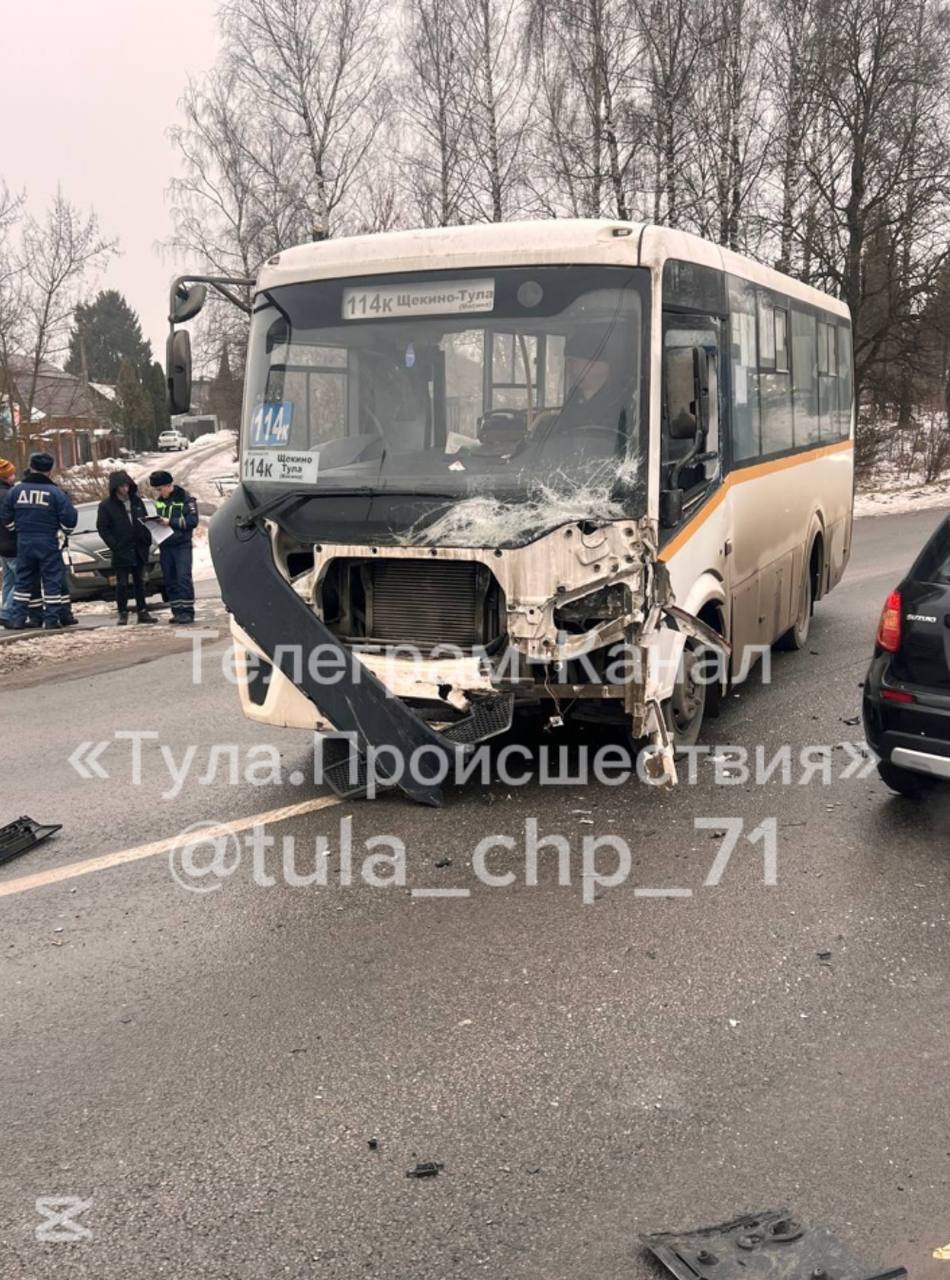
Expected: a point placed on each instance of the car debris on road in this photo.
(774, 1245)
(23, 834)
(425, 1169)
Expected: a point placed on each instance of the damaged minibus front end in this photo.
(409, 655)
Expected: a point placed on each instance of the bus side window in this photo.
(827, 381)
(805, 378)
(845, 382)
(775, 380)
(744, 369)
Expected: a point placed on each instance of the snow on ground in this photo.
(184, 464)
(216, 473)
(201, 566)
(900, 496)
(208, 456)
(46, 649)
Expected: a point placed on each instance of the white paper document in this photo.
(158, 531)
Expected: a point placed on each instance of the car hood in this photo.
(90, 542)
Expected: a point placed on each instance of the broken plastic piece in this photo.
(22, 834)
(761, 1246)
(424, 1169)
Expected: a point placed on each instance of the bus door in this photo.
(690, 457)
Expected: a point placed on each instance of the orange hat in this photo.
(7, 470)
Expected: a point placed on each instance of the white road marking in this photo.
(662, 893)
(73, 869)
(440, 893)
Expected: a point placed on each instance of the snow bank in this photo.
(201, 566)
(902, 498)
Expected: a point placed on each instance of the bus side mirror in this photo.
(178, 371)
(188, 302)
(686, 388)
(671, 508)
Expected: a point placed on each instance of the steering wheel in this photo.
(593, 432)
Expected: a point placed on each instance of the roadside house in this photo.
(70, 419)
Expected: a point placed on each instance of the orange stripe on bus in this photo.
(742, 477)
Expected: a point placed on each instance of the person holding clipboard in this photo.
(178, 514)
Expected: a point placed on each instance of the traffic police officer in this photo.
(179, 510)
(37, 510)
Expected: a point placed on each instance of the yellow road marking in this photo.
(73, 869)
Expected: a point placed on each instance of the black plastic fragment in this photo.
(266, 606)
(764, 1246)
(425, 1169)
(23, 834)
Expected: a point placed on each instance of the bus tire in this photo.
(796, 637)
(686, 707)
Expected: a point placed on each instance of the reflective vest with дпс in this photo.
(180, 509)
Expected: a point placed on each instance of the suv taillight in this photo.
(889, 628)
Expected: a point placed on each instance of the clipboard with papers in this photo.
(158, 530)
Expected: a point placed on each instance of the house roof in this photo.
(58, 394)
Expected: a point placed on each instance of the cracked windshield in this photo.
(503, 383)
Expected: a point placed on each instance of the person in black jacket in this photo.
(7, 546)
(120, 522)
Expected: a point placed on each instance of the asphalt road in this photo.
(207, 1068)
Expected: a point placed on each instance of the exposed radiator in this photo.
(422, 602)
(425, 602)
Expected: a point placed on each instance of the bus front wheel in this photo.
(687, 705)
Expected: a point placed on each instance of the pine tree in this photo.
(224, 394)
(106, 332)
(134, 407)
(153, 380)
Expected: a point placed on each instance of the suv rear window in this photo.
(934, 562)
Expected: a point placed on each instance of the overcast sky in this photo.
(87, 92)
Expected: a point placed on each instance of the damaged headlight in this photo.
(587, 611)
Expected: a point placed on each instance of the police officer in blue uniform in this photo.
(37, 510)
(179, 510)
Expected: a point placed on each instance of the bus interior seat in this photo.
(502, 430)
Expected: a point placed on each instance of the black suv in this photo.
(907, 691)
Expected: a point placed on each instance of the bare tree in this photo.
(793, 63)
(490, 42)
(11, 302)
(234, 203)
(879, 136)
(438, 90)
(731, 122)
(43, 270)
(313, 70)
(585, 51)
(673, 40)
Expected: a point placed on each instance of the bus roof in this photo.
(538, 243)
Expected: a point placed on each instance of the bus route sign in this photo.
(439, 298)
(280, 466)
